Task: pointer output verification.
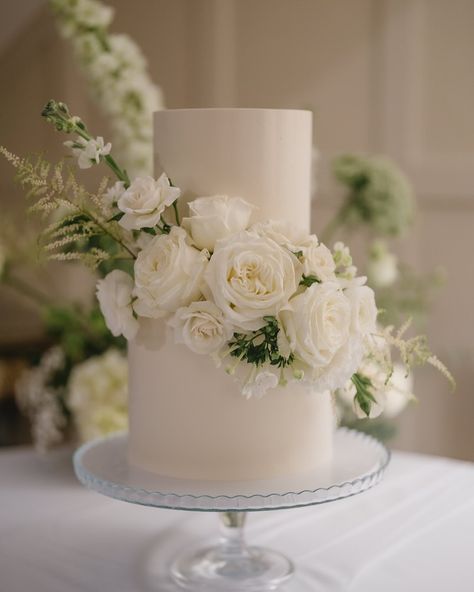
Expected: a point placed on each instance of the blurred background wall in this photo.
(382, 76)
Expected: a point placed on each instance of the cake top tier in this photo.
(261, 155)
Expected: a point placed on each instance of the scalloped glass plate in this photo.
(358, 463)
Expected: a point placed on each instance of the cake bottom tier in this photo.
(188, 419)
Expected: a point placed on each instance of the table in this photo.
(414, 531)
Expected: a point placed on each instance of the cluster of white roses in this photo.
(217, 279)
(117, 71)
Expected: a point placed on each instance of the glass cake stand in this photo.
(358, 463)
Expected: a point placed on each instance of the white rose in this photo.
(168, 274)
(315, 257)
(201, 327)
(364, 309)
(114, 293)
(249, 277)
(145, 200)
(216, 217)
(317, 260)
(317, 323)
(283, 233)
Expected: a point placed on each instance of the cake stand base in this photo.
(358, 463)
(231, 565)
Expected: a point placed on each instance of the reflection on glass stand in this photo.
(232, 564)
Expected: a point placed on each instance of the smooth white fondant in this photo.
(188, 418)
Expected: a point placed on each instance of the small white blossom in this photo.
(113, 194)
(342, 255)
(382, 268)
(317, 260)
(89, 152)
(390, 397)
(259, 385)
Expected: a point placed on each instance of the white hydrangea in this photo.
(97, 395)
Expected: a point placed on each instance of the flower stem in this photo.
(22, 287)
(339, 220)
(58, 114)
(176, 213)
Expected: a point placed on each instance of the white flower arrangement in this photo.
(268, 302)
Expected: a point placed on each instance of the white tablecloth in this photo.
(414, 531)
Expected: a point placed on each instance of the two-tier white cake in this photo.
(187, 418)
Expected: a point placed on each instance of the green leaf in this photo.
(309, 280)
(260, 346)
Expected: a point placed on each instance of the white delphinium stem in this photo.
(41, 401)
(118, 76)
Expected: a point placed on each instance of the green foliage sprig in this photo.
(415, 350)
(85, 214)
(260, 346)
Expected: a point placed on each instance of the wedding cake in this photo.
(189, 419)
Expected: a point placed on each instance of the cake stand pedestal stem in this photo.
(231, 565)
(232, 534)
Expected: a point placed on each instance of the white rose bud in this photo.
(250, 277)
(168, 274)
(214, 218)
(382, 268)
(201, 327)
(364, 309)
(114, 293)
(317, 323)
(318, 260)
(145, 200)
